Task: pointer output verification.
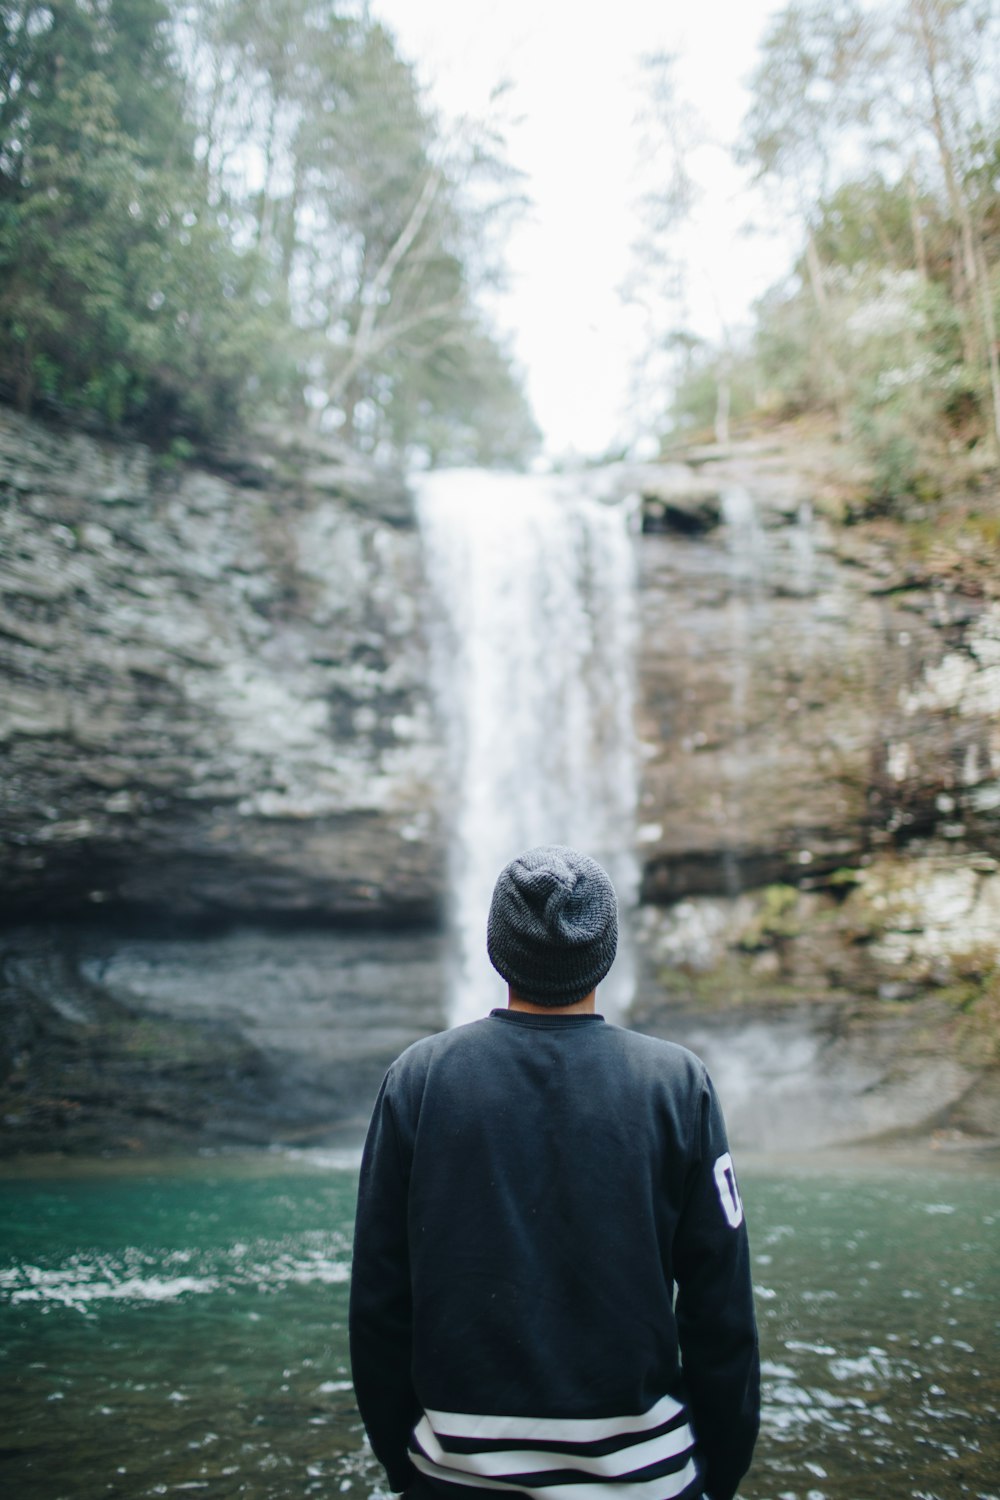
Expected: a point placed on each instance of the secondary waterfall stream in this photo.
(533, 642)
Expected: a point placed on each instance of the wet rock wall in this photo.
(220, 764)
(214, 697)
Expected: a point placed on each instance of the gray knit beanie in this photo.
(553, 925)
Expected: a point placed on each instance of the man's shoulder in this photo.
(637, 1049)
(419, 1055)
(445, 1060)
(659, 1053)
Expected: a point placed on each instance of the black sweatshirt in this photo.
(551, 1287)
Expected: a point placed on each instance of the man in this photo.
(551, 1290)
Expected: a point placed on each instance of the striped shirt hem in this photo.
(665, 1487)
(638, 1457)
(553, 1429)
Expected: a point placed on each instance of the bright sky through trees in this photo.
(573, 104)
(317, 241)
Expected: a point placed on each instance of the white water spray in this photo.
(533, 643)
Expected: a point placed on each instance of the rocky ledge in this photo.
(129, 1043)
(215, 699)
(222, 815)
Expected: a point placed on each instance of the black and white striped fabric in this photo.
(549, 1224)
(644, 1457)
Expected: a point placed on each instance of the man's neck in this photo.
(583, 1007)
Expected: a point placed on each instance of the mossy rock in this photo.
(775, 921)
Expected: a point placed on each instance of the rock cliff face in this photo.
(215, 698)
(114, 1041)
(216, 718)
(820, 738)
(803, 702)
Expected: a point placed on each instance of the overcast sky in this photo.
(575, 95)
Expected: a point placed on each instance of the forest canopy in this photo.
(873, 133)
(226, 209)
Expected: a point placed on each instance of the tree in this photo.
(878, 129)
(373, 222)
(805, 98)
(234, 201)
(953, 53)
(467, 407)
(119, 293)
(671, 132)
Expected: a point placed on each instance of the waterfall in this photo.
(746, 544)
(532, 634)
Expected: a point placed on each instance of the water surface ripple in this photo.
(182, 1330)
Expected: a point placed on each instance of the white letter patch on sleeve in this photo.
(725, 1181)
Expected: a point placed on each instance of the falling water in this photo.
(804, 550)
(533, 636)
(746, 558)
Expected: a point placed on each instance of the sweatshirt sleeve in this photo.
(715, 1312)
(380, 1319)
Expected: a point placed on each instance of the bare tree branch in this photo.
(367, 340)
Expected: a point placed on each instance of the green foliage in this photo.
(900, 344)
(377, 228)
(789, 373)
(120, 293)
(774, 921)
(234, 207)
(870, 222)
(466, 409)
(979, 1024)
(875, 130)
(893, 334)
(708, 374)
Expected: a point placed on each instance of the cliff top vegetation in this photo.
(211, 208)
(874, 131)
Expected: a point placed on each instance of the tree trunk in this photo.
(348, 403)
(916, 227)
(722, 402)
(263, 197)
(992, 348)
(833, 373)
(289, 230)
(979, 322)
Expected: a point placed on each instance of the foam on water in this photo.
(324, 1158)
(76, 1286)
(188, 1329)
(134, 1276)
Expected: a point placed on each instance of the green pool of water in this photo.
(182, 1329)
